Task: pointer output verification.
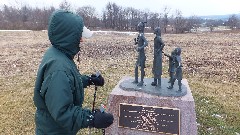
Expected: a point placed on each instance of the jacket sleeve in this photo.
(59, 101)
(85, 80)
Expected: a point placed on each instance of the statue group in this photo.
(175, 66)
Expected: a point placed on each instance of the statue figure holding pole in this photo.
(141, 43)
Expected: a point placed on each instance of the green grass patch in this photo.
(212, 118)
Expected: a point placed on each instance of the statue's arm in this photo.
(160, 42)
(145, 42)
(179, 61)
(167, 55)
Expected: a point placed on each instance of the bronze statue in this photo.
(170, 64)
(175, 68)
(142, 43)
(157, 59)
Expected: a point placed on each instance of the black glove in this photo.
(94, 80)
(102, 120)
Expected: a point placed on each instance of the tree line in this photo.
(113, 17)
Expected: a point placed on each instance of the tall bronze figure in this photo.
(157, 59)
(141, 43)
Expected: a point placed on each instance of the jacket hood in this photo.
(64, 32)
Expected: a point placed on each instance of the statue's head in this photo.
(178, 51)
(140, 27)
(157, 31)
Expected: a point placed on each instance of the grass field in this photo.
(211, 64)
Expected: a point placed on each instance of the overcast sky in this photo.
(188, 7)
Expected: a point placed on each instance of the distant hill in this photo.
(218, 17)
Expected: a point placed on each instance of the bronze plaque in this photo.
(149, 118)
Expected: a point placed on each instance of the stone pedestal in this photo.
(185, 105)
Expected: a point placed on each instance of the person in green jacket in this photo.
(59, 87)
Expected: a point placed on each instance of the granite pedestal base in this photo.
(185, 104)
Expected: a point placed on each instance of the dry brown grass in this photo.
(211, 64)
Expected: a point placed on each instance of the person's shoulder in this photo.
(55, 55)
(56, 62)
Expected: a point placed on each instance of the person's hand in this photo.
(96, 80)
(102, 119)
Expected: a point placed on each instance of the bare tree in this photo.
(135, 18)
(233, 22)
(146, 16)
(104, 19)
(89, 15)
(109, 15)
(25, 11)
(193, 22)
(116, 12)
(1, 19)
(179, 22)
(11, 17)
(121, 19)
(165, 19)
(154, 20)
(113, 15)
(65, 5)
(126, 16)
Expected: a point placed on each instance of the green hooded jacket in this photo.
(59, 93)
